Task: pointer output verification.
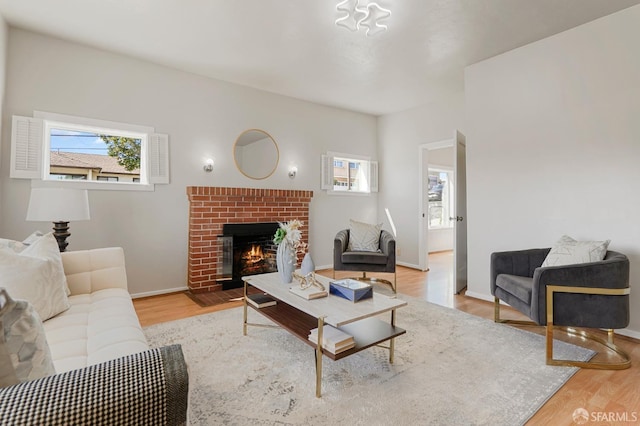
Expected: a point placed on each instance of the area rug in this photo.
(450, 368)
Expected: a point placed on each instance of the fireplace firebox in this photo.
(247, 249)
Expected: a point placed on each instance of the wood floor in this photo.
(606, 395)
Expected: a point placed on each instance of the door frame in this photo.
(423, 212)
(459, 233)
(460, 206)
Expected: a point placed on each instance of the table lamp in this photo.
(60, 206)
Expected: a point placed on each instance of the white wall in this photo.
(553, 146)
(203, 118)
(399, 138)
(440, 239)
(3, 69)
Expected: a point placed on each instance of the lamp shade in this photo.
(58, 205)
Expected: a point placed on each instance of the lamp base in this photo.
(61, 232)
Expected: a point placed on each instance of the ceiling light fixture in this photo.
(360, 13)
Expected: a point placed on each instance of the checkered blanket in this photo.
(145, 388)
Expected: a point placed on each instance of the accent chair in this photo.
(585, 295)
(383, 260)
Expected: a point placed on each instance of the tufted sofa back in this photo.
(97, 269)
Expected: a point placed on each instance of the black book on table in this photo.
(261, 300)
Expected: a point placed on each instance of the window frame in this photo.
(329, 163)
(35, 135)
(449, 199)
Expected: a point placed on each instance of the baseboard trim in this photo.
(629, 333)
(480, 296)
(410, 265)
(158, 292)
(322, 267)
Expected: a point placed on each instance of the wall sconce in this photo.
(293, 170)
(208, 165)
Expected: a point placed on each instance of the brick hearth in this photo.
(211, 207)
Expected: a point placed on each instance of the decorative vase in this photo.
(286, 262)
(307, 264)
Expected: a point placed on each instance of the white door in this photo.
(460, 213)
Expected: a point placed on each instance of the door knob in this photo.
(457, 218)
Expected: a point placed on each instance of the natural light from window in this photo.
(67, 151)
(440, 198)
(81, 152)
(350, 175)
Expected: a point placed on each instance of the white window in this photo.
(88, 153)
(440, 195)
(345, 173)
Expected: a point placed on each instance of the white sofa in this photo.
(101, 323)
(105, 371)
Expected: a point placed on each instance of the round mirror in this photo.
(256, 154)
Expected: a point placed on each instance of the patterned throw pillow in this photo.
(364, 236)
(36, 275)
(568, 251)
(24, 352)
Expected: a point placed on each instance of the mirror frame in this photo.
(275, 167)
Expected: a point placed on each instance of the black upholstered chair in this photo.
(586, 295)
(366, 261)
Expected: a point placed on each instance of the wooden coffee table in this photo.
(299, 316)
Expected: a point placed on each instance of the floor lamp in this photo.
(60, 206)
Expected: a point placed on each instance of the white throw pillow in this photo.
(46, 246)
(36, 275)
(568, 251)
(24, 352)
(364, 236)
(32, 238)
(18, 246)
(11, 245)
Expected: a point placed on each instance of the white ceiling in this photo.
(293, 48)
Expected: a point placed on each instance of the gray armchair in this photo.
(366, 261)
(587, 295)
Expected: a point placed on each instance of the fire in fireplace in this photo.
(248, 249)
(252, 259)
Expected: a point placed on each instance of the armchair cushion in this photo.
(364, 257)
(364, 236)
(520, 287)
(568, 251)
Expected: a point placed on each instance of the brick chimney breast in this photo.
(211, 207)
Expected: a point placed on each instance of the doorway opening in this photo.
(443, 205)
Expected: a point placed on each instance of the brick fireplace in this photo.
(210, 208)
